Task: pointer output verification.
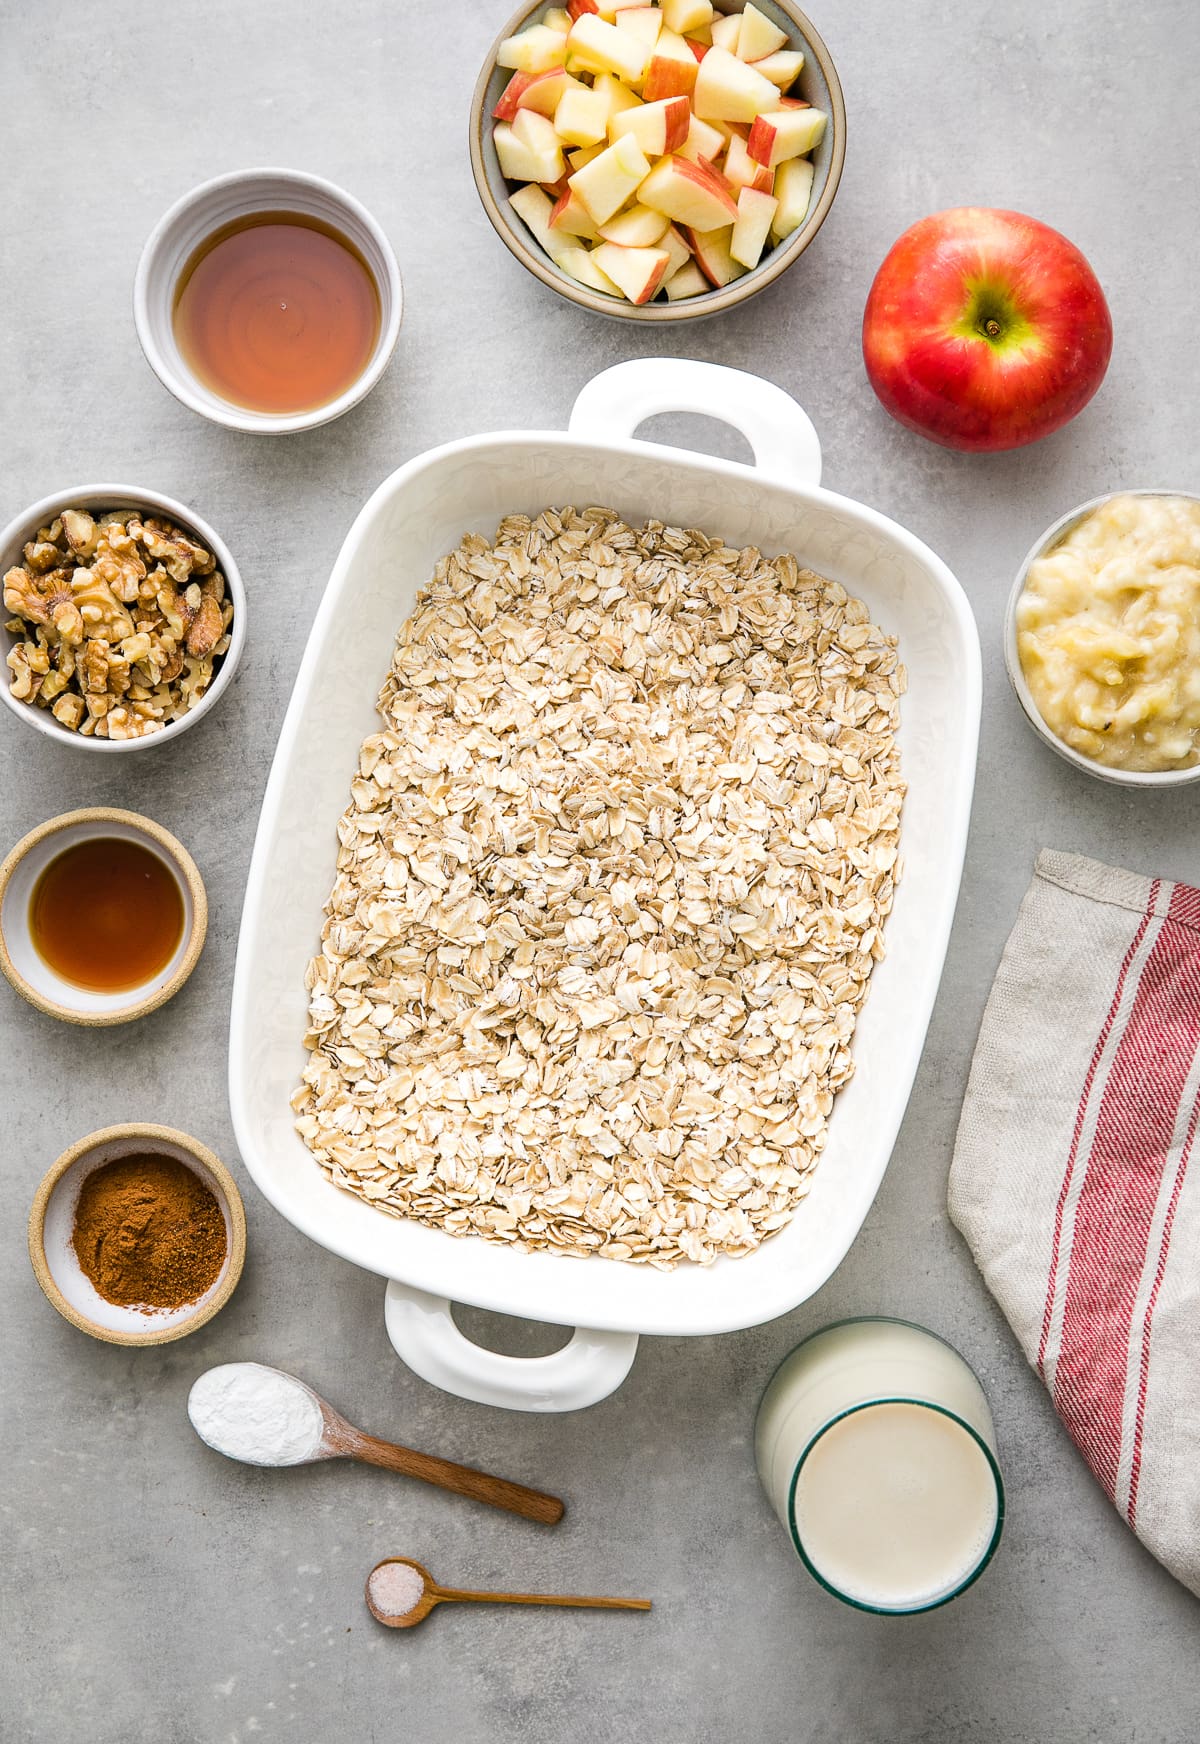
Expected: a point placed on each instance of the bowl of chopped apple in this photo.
(658, 159)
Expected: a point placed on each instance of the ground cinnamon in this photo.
(148, 1232)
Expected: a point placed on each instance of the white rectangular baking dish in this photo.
(415, 516)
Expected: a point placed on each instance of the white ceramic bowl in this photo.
(98, 498)
(1012, 659)
(27, 970)
(416, 516)
(190, 220)
(52, 1221)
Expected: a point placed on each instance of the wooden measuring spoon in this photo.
(342, 1440)
(418, 1605)
(339, 1439)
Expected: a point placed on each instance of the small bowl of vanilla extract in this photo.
(102, 916)
(268, 301)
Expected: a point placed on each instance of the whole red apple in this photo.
(985, 330)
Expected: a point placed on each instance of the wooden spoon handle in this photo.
(573, 1599)
(464, 1480)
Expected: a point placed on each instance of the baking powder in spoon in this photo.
(257, 1414)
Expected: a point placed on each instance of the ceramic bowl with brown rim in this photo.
(34, 977)
(56, 1264)
(1184, 776)
(100, 499)
(818, 84)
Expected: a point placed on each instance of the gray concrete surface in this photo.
(153, 1592)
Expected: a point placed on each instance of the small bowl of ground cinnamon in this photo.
(137, 1234)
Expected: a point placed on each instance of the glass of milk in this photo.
(876, 1448)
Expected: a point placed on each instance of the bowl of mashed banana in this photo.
(1102, 639)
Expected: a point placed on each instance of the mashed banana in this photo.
(1108, 634)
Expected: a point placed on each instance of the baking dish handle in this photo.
(616, 401)
(423, 1333)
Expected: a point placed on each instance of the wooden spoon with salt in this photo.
(400, 1593)
(230, 1405)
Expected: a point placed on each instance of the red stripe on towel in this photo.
(1139, 1111)
(1144, 1373)
(1185, 905)
(1080, 1116)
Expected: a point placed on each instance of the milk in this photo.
(876, 1448)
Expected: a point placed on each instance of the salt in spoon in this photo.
(262, 1416)
(414, 1594)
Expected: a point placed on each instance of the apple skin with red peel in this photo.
(985, 330)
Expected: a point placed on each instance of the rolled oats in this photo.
(609, 891)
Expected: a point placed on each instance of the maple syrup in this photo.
(106, 914)
(277, 312)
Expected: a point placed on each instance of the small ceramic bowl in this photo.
(98, 499)
(1050, 538)
(33, 977)
(180, 232)
(818, 84)
(52, 1221)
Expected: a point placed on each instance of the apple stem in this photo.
(992, 328)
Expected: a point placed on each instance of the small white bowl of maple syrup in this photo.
(103, 915)
(268, 301)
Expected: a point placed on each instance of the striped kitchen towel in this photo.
(1072, 1181)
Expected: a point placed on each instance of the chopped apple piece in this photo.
(672, 69)
(787, 133)
(638, 227)
(596, 47)
(571, 218)
(638, 271)
(699, 49)
(676, 246)
(580, 264)
(729, 90)
(756, 213)
(558, 18)
(546, 90)
(577, 8)
(581, 117)
(615, 94)
(689, 193)
(684, 15)
(658, 127)
(783, 69)
(606, 183)
(640, 22)
(522, 162)
(757, 36)
(531, 51)
(584, 155)
(702, 141)
(726, 28)
(689, 281)
(535, 130)
(510, 97)
(711, 249)
(533, 206)
(741, 171)
(793, 190)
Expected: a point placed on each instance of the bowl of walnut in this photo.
(124, 617)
